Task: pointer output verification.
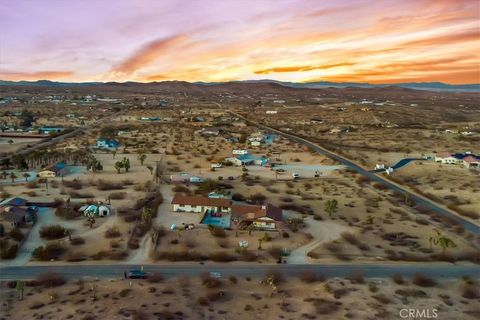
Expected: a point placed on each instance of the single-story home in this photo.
(53, 170)
(200, 204)
(248, 160)
(468, 159)
(108, 143)
(265, 217)
(96, 210)
(17, 216)
(47, 174)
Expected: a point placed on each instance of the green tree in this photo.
(331, 206)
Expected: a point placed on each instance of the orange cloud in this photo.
(149, 53)
(43, 75)
(302, 68)
(470, 35)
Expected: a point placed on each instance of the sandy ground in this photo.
(243, 299)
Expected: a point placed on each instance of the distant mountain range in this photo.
(428, 86)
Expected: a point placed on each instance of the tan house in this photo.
(265, 217)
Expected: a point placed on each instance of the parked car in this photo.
(231, 178)
(216, 165)
(216, 275)
(295, 175)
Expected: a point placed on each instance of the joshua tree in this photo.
(126, 164)
(91, 220)
(4, 175)
(114, 152)
(142, 157)
(13, 176)
(331, 206)
(260, 240)
(442, 241)
(118, 166)
(20, 287)
(150, 168)
(26, 175)
(146, 215)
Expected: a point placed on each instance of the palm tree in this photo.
(13, 176)
(142, 157)
(26, 175)
(20, 287)
(331, 206)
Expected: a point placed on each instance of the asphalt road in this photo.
(468, 225)
(435, 270)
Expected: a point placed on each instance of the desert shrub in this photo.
(179, 256)
(117, 195)
(112, 232)
(356, 277)
(471, 291)
(80, 195)
(285, 234)
(398, 278)
(349, 237)
(8, 251)
(155, 277)
(16, 234)
(258, 198)
(182, 189)
(275, 276)
(233, 279)
(77, 241)
(73, 184)
(124, 292)
(108, 185)
(238, 197)
(310, 276)
(48, 252)
(50, 279)
(52, 232)
(67, 212)
(423, 280)
(217, 232)
(222, 256)
(210, 282)
(202, 301)
(382, 298)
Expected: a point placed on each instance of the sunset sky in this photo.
(218, 40)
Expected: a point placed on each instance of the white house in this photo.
(240, 151)
(200, 204)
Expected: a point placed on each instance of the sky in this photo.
(222, 40)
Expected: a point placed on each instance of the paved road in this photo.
(48, 143)
(444, 270)
(468, 225)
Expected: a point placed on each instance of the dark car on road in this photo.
(137, 274)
